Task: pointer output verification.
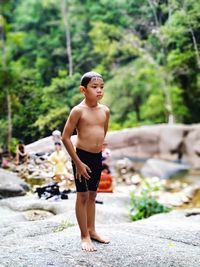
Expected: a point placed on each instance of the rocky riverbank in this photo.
(39, 232)
(162, 240)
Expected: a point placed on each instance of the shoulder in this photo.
(76, 111)
(76, 108)
(107, 111)
(105, 108)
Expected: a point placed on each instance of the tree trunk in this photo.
(137, 104)
(65, 11)
(151, 4)
(9, 116)
(195, 47)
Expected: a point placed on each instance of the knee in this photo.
(83, 198)
(92, 196)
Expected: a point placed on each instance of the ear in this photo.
(82, 89)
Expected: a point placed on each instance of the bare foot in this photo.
(87, 244)
(94, 236)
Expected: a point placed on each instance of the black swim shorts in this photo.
(94, 162)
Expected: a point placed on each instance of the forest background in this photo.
(148, 52)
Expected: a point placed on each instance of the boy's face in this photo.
(94, 89)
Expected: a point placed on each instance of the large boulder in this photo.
(192, 147)
(164, 141)
(136, 142)
(163, 169)
(11, 185)
(45, 144)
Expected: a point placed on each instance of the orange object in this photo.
(105, 184)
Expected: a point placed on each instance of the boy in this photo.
(90, 119)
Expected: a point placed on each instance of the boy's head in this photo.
(90, 76)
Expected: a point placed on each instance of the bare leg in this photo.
(17, 158)
(91, 219)
(81, 215)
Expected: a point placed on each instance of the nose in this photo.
(99, 89)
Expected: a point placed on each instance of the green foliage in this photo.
(57, 100)
(142, 93)
(149, 55)
(144, 203)
(3, 133)
(52, 120)
(12, 145)
(153, 109)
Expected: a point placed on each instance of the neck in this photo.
(91, 104)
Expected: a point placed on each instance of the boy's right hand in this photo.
(82, 170)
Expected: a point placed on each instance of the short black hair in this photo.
(57, 143)
(88, 76)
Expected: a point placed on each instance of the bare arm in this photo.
(71, 124)
(107, 120)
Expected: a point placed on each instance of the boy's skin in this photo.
(91, 122)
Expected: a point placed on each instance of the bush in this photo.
(12, 146)
(144, 203)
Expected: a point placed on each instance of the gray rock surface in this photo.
(163, 169)
(163, 141)
(11, 184)
(163, 240)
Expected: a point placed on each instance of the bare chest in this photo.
(92, 117)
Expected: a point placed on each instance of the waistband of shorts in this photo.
(87, 152)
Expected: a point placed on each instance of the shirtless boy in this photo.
(90, 119)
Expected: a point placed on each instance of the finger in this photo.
(86, 175)
(78, 176)
(88, 168)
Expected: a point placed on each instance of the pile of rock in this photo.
(38, 168)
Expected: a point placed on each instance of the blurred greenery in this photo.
(147, 51)
(144, 203)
